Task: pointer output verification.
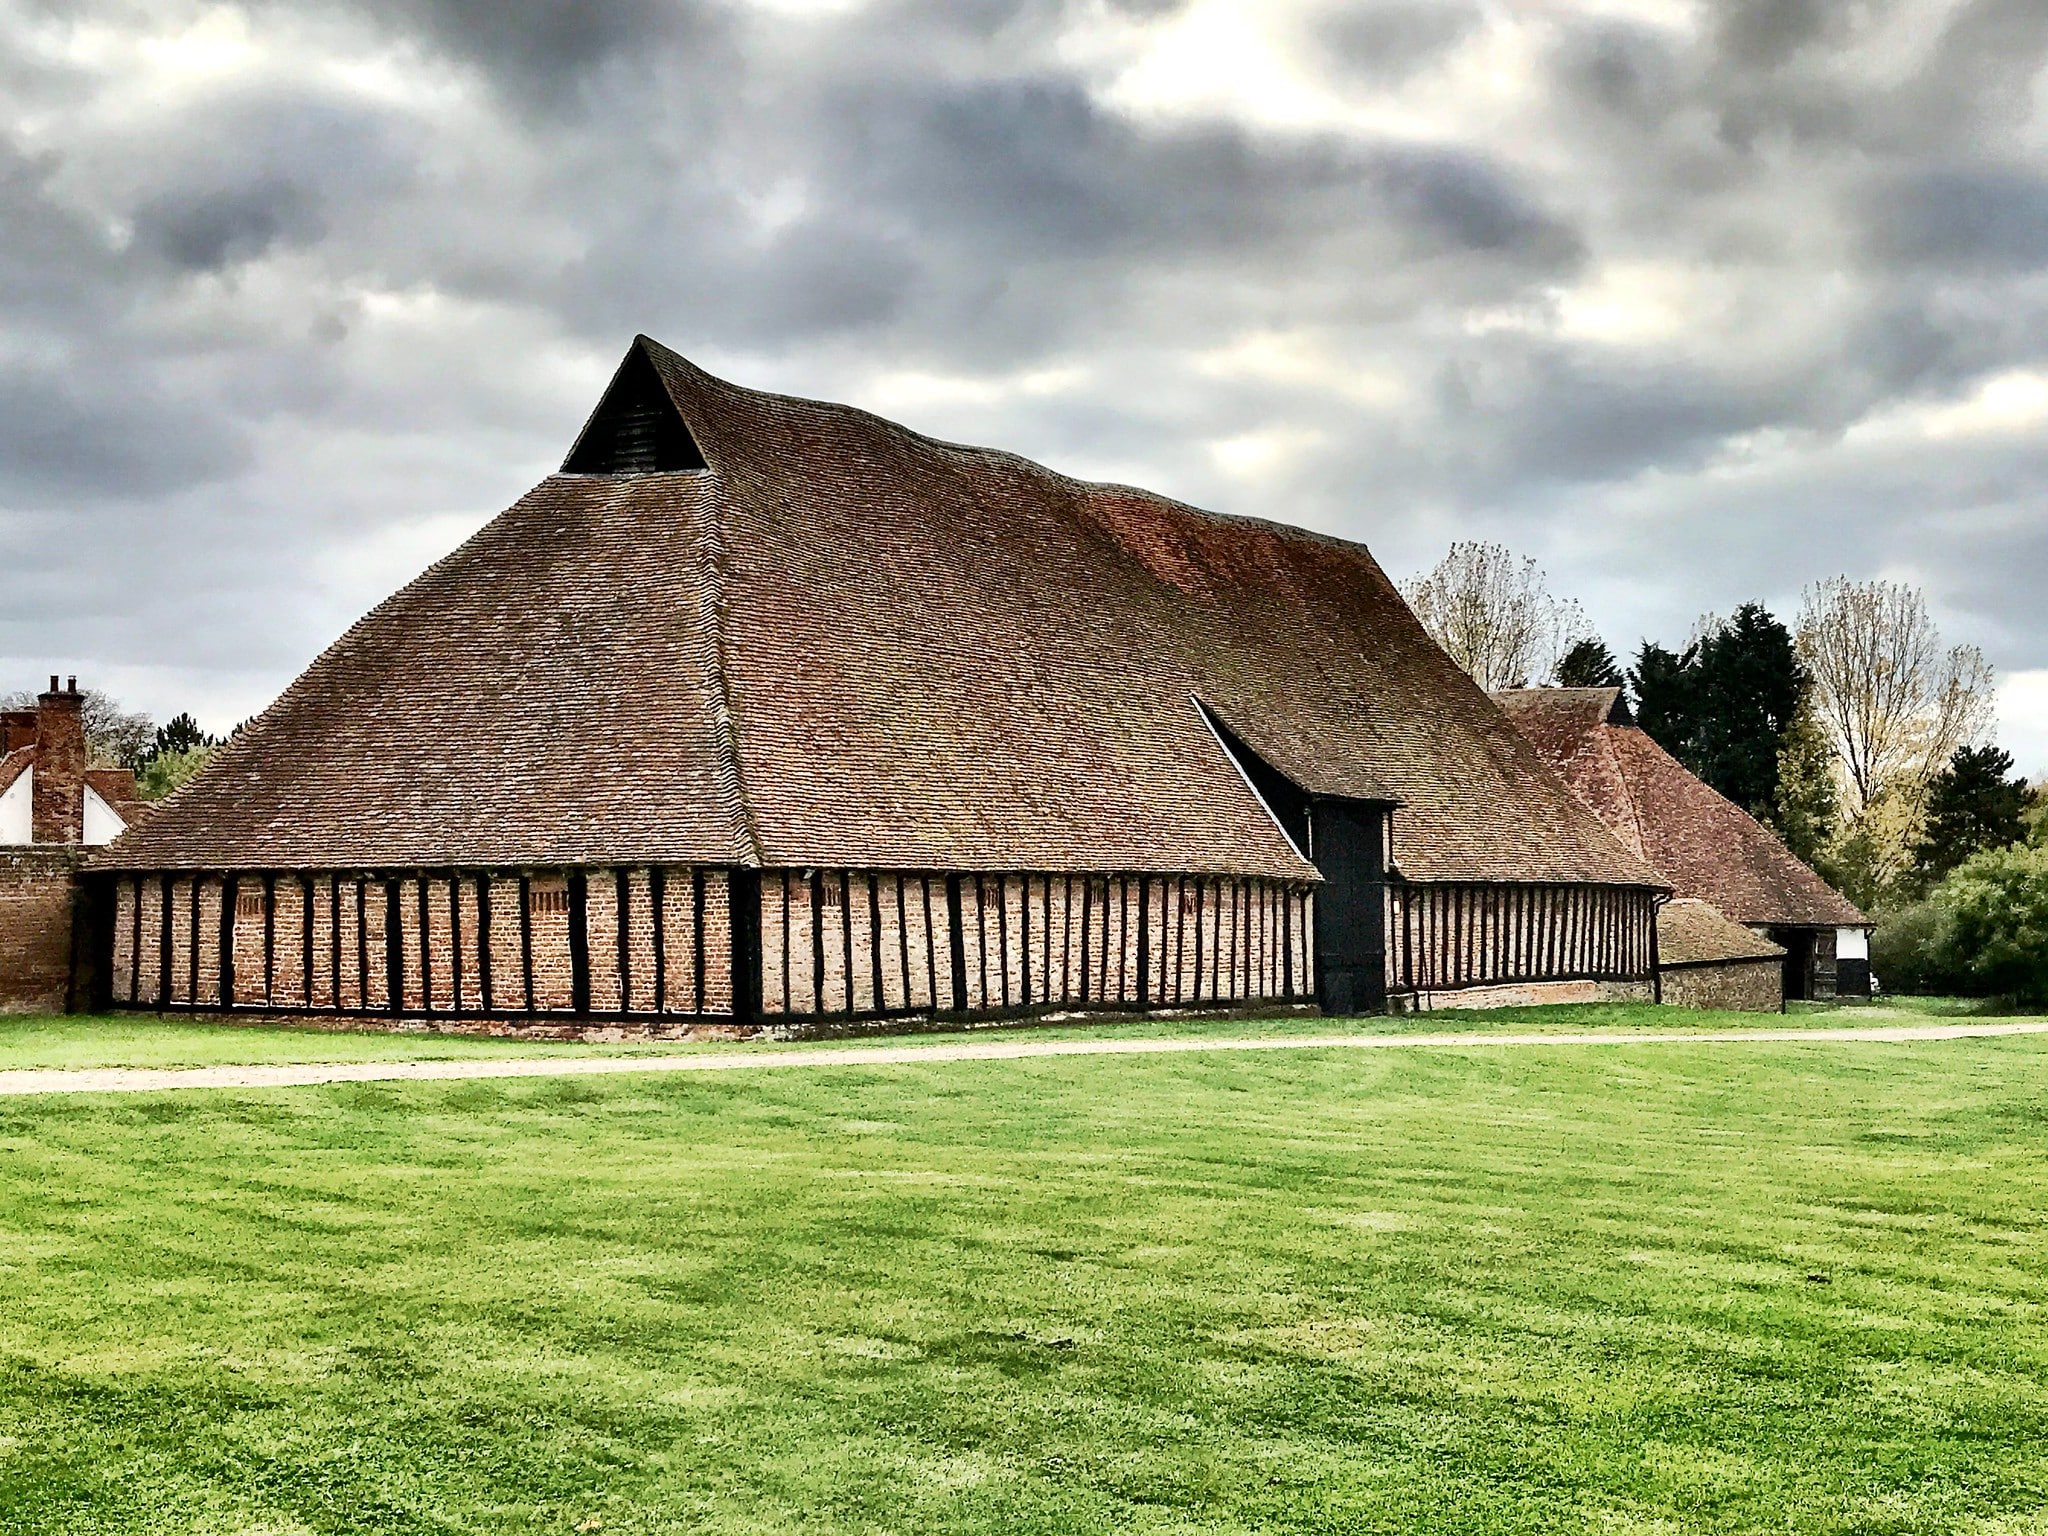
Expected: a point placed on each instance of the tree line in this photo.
(161, 757)
(1855, 732)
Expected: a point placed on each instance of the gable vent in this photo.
(636, 429)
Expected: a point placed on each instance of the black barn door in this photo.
(1351, 958)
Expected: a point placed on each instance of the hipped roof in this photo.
(1695, 932)
(1703, 844)
(841, 643)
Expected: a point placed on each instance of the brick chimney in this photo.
(58, 807)
(17, 730)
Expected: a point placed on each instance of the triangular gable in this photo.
(636, 428)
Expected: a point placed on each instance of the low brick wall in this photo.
(1746, 986)
(37, 894)
(1523, 994)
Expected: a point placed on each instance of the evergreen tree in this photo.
(1972, 807)
(1588, 664)
(1725, 707)
(1663, 685)
(1748, 694)
(181, 735)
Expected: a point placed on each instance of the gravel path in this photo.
(299, 1075)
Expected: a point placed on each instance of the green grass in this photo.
(1656, 1288)
(132, 1040)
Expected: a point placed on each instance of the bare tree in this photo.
(114, 738)
(1493, 612)
(1895, 704)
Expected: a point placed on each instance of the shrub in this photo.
(1994, 919)
(1909, 951)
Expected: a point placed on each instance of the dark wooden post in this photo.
(483, 941)
(394, 949)
(957, 942)
(230, 898)
(743, 897)
(579, 943)
(1144, 940)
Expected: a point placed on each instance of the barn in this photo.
(769, 714)
(1705, 847)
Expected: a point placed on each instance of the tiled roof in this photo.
(14, 764)
(1703, 845)
(846, 644)
(1694, 932)
(116, 786)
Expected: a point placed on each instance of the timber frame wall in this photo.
(810, 948)
(989, 945)
(1442, 936)
(663, 946)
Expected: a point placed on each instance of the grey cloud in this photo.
(265, 171)
(1761, 34)
(546, 54)
(342, 313)
(65, 431)
(205, 231)
(1386, 41)
(1987, 216)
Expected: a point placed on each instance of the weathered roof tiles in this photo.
(1704, 845)
(841, 643)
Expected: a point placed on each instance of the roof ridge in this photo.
(1621, 777)
(732, 778)
(670, 362)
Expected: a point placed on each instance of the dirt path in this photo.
(151, 1079)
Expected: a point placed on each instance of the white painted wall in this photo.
(102, 823)
(17, 811)
(1852, 944)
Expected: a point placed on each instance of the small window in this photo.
(834, 888)
(249, 904)
(553, 896)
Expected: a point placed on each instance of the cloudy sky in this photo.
(1693, 302)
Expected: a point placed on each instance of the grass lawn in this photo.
(1660, 1288)
(140, 1040)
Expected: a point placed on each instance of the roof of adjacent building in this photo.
(1695, 932)
(841, 643)
(1703, 844)
(116, 786)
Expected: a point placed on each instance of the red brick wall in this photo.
(36, 893)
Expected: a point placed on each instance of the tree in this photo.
(1972, 807)
(1995, 907)
(1894, 702)
(1750, 688)
(1725, 706)
(1807, 808)
(166, 771)
(1663, 684)
(114, 738)
(1588, 664)
(181, 735)
(1494, 614)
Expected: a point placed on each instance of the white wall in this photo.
(102, 823)
(1852, 944)
(17, 810)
